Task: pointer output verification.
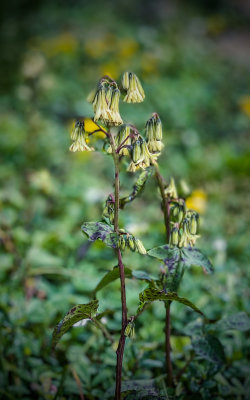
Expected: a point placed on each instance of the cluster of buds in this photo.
(154, 134)
(135, 92)
(134, 244)
(141, 157)
(185, 225)
(106, 102)
(109, 210)
(131, 143)
(79, 136)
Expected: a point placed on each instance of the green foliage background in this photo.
(53, 53)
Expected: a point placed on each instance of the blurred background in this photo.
(193, 59)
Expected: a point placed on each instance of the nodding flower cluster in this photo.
(79, 136)
(135, 92)
(106, 102)
(184, 222)
(154, 134)
(127, 240)
(185, 226)
(143, 152)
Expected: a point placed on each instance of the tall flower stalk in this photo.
(139, 152)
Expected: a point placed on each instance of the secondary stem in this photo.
(121, 345)
(166, 211)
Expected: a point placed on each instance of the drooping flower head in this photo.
(133, 87)
(79, 136)
(154, 134)
(106, 102)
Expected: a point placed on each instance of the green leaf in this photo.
(151, 294)
(169, 255)
(102, 231)
(111, 276)
(239, 321)
(208, 347)
(114, 274)
(76, 314)
(142, 275)
(191, 256)
(174, 276)
(137, 188)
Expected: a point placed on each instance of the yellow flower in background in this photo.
(64, 43)
(245, 105)
(127, 47)
(97, 46)
(90, 126)
(197, 201)
(111, 69)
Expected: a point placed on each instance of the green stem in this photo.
(166, 212)
(121, 345)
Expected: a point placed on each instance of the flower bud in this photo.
(125, 81)
(137, 151)
(141, 249)
(193, 225)
(122, 242)
(130, 330)
(174, 236)
(131, 243)
(113, 112)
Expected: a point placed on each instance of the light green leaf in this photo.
(192, 256)
(102, 231)
(239, 321)
(76, 314)
(209, 347)
(151, 294)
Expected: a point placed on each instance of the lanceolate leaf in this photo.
(137, 188)
(111, 276)
(151, 294)
(169, 255)
(76, 314)
(209, 348)
(114, 274)
(192, 256)
(102, 231)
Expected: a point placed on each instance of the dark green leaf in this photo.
(174, 276)
(239, 321)
(191, 256)
(137, 188)
(209, 348)
(102, 231)
(114, 274)
(111, 276)
(151, 294)
(169, 255)
(76, 314)
(142, 275)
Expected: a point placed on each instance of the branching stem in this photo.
(121, 345)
